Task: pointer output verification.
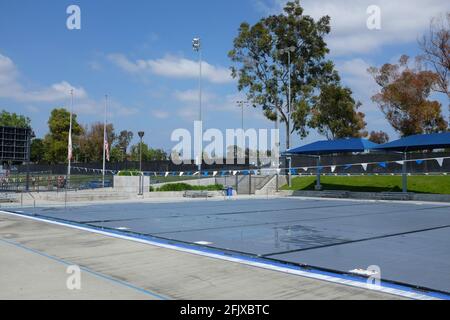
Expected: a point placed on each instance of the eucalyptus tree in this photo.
(282, 58)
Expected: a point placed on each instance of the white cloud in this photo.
(402, 21)
(173, 67)
(193, 96)
(11, 88)
(160, 114)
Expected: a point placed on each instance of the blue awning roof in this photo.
(334, 146)
(418, 142)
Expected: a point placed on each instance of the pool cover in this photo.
(409, 242)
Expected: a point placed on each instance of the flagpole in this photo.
(69, 152)
(104, 142)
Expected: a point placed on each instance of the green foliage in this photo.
(8, 119)
(186, 187)
(37, 150)
(129, 173)
(56, 141)
(262, 70)
(124, 139)
(418, 184)
(117, 154)
(148, 154)
(335, 113)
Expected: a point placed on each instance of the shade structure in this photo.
(324, 147)
(418, 142)
(334, 146)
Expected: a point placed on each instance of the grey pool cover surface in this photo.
(409, 242)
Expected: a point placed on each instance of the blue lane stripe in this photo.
(95, 273)
(244, 257)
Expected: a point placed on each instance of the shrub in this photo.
(186, 187)
(129, 173)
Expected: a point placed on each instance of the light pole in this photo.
(105, 141)
(141, 178)
(242, 104)
(196, 45)
(70, 151)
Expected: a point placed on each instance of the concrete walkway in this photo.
(34, 257)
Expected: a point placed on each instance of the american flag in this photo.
(107, 149)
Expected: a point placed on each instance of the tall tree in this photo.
(404, 98)
(91, 142)
(148, 154)
(436, 51)
(262, 64)
(56, 141)
(335, 113)
(37, 150)
(379, 137)
(124, 139)
(8, 119)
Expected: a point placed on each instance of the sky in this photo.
(140, 54)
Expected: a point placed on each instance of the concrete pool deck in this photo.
(35, 256)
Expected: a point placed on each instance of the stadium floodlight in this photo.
(196, 44)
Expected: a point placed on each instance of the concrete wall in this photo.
(130, 184)
(193, 182)
(271, 186)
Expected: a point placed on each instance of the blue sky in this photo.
(139, 53)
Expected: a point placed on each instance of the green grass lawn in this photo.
(417, 184)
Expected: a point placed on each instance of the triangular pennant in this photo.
(197, 173)
(333, 169)
(419, 161)
(440, 161)
(215, 173)
(235, 173)
(293, 172)
(400, 162)
(181, 174)
(348, 166)
(364, 165)
(382, 164)
(278, 171)
(305, 169)
(166, 174)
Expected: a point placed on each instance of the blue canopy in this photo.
(334, 146)
(418, 142)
